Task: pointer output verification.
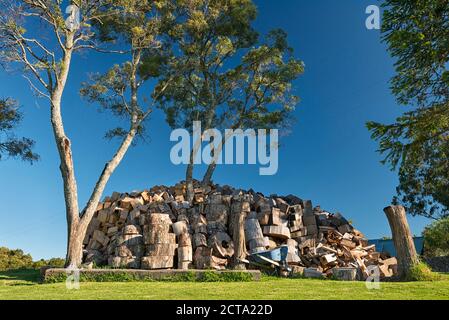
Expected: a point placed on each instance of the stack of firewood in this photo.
(158, 229)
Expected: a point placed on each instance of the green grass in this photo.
(25, 285)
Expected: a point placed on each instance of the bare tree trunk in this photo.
(239, 238)
(402, 238)
(64, 148)
(207, 179)
(78, 225)
(189, 178)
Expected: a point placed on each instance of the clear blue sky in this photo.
(328, 158)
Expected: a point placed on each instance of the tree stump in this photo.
(402, 238)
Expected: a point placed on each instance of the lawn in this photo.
(25, 285)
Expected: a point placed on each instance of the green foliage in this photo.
(417, 34)
(421, 272)
(125, 276)
(53, 262)
(10, 145)
(436, 238)
(199, 78)
(222, 75)
(138, 31)
(14, 259)
(17, 260)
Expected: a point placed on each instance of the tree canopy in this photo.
(10, 145)
(417, 143)
(225, 75)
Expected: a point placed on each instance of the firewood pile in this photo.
(158, 229)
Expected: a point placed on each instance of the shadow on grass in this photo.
(29, 275)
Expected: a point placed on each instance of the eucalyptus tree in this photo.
(10, 145)
(208, 34)
(40, 41)
(264, 97)
(224, 75)
(417, 143)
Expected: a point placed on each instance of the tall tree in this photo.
(417, 143)
(219, 72)
(209, 34)
(10, 145)
(44, 56)
(263, 97)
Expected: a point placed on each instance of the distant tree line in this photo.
(17, 259)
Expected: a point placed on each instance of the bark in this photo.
(239, 240)
(64, 148)
(189, 178)
(207, 179)
(78, 229)
(402, 238)
(193, 154)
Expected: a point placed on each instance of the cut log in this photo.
(222, 245)
(180, 228)
(277, 232)
(259, 243)
(345, 274)
(158, 233)
(103, 215)
(308, 208)
(161, 250)
(184, 240)
(253, 230)
(131, 230)
(157, 262)
(217, 213)
(239, 236)
(282, 205)
(159, 218)
(199, 240)
(203, 259)
(185, 254)
(313, 273)
(309, 220)
(346, 228)
(100, 237)
(327, 259)
(264, 218)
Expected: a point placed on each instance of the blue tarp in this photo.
(388, 245)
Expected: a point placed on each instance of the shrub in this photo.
(207, 276)
(421, 272)
(17, 259)
(436, 238)
(14, 259)
(53, 262)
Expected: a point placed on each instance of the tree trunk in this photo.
(402, 238)
(189, 178)
(74, 247)
(65, 152)
(207, 179)
(239, 240)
